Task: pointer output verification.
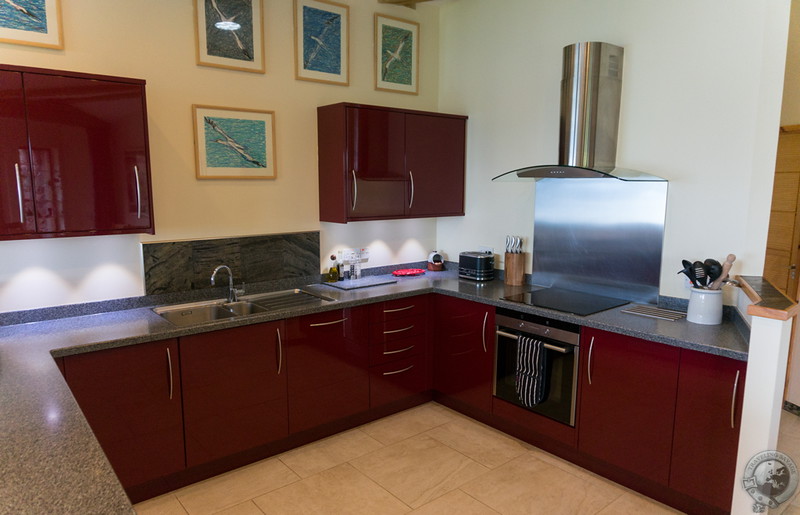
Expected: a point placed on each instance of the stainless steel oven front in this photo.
(559, 344)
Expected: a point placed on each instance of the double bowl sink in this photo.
(185, 315)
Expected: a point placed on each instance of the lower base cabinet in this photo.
(234, 390)
(131, 397)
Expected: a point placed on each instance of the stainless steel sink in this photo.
(287, 299)
(196, 313)
(243, 307)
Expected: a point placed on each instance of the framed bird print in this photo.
(234, 143)
(321, 41)
(230, 34)
(396, 55)
(31, 22)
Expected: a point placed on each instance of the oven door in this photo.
(561, 375)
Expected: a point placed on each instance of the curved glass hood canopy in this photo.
(591, 88)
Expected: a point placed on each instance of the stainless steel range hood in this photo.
(591, 88)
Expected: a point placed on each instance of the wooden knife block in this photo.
(515, 269)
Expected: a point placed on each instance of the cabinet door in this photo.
(89, 154)
(376, 179)
(131, 397)
(707, 416)
(435, 147)
(397, 380)
(627, 404)
(328, 360)
(16, 195)
(234, 390)
(464, 351)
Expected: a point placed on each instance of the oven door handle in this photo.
(548, 346)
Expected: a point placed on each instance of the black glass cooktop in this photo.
(568, 301)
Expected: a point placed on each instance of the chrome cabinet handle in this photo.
(387, 352)
(19, 194)
(355, 190)
(483, 333)
(556, 348)
(733, 400)
(328, 323)
(398, 371)
(589, 361)
(138, 192)
(393, 331)
(398, 309)
(411, 203)
(280, 350)
(169, 365)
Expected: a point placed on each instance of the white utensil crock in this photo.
(705, 307)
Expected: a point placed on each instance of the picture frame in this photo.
(33, 22)
(230, 34)
(233, 143)
(322, 41)
(396, 55)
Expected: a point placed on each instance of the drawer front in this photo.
(399, 308)
(394, 330)
(397, 380)
(397, 349)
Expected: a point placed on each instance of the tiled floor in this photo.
(426, 460)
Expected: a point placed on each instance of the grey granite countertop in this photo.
(51, 462)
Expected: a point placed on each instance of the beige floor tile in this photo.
(418, 469)
(454, 503)
(166, 504)
(632, 503)
(409, 423)
(483, 444)
(245, 508)
(342, 489)
(235, 487)
(327, 453)
(527, 485)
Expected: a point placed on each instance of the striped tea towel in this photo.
(531, 379)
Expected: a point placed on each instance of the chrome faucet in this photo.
(233, 293)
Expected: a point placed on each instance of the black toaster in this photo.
(478, 266)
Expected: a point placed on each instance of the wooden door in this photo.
(783, 240)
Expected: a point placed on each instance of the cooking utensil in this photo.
(726, 268)
(688, 270)
(713, 269)
(700, 273)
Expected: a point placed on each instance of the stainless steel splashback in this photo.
(599, 236)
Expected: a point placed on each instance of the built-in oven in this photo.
(536, 365)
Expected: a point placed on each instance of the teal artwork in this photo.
(398, 51)
(322, 41)
(29, 15)
(235, 143)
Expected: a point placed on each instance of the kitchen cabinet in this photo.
(627, 402)
(327, 359)
(76, 160)
(383, 163)
(131, 397)
(464, 351)
(234, 390)
(398, 350)
(707, 420)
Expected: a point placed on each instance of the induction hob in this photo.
(568, 301)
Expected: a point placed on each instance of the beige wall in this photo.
(154, 40)
(700, 107)
(790, 110)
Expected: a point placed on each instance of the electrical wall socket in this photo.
(484, 248)
(353, 255)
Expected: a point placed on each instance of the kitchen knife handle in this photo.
(483, 333)
(280, 350)
(589, 361)
(355, 190)
(169, 366)
(19, 194)
(733, 400)
(138, 192)
(411, 203)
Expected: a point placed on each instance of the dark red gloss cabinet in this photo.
(234, 390)
(328, 364)
(464, 351)
(384, 163)
(131, 397)
(627, 402)
(707, 421)
(76, 161)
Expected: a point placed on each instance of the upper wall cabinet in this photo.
(74, 155)
(381, 163)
